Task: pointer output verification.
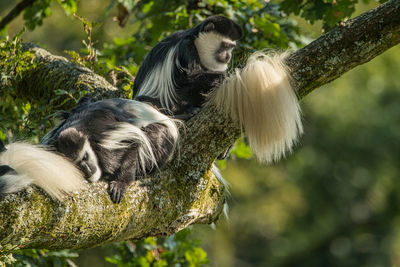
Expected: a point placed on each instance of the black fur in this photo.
(92, 120)
(2, 146)
(192, 80)
(4, 169)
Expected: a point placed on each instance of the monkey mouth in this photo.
(95, 177)
(91, 172)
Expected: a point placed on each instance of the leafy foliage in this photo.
(176, 250)
(34, 14)
(13, 62)
(330, 12)
(119, 76)
(22, 118)
(89, 60)
(42, 258)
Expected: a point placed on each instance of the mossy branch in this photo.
(185, 192)
(351, 44)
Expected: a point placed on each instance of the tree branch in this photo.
(15, 12)
(355, 42)
(185, 192)
(56, 72)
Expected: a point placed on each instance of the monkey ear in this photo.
(209, 27)
(238, 33)
(86, 100)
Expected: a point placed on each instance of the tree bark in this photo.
(185, 192)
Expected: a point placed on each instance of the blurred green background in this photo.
(335, 201)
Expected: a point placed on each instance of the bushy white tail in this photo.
(35, 165)
(260, 99)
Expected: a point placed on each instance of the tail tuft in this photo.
(260, 99)
(35, 165)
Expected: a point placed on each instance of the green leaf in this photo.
(196, 257)
(241, 150)
(69, 6)
(34, 14)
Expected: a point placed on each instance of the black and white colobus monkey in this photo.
(180, 70)
(184, 67)
(116, 139)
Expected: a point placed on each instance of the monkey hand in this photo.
(116, 190)
(189, 114)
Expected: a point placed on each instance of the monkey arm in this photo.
(125, 175)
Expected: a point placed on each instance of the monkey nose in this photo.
(224, 58)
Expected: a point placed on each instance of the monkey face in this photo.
(87, 162)
(215, 50)
(224, 53)
(75, 145)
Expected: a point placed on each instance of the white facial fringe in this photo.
(207, 44)
(34, 165)
(261, 100)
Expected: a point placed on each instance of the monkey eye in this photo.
(226, 45)
(85, 157)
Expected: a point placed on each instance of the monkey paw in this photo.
(194, 111)
(116, 190)
(188, 114)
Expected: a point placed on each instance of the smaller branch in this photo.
(354, 43)
(15, 12)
